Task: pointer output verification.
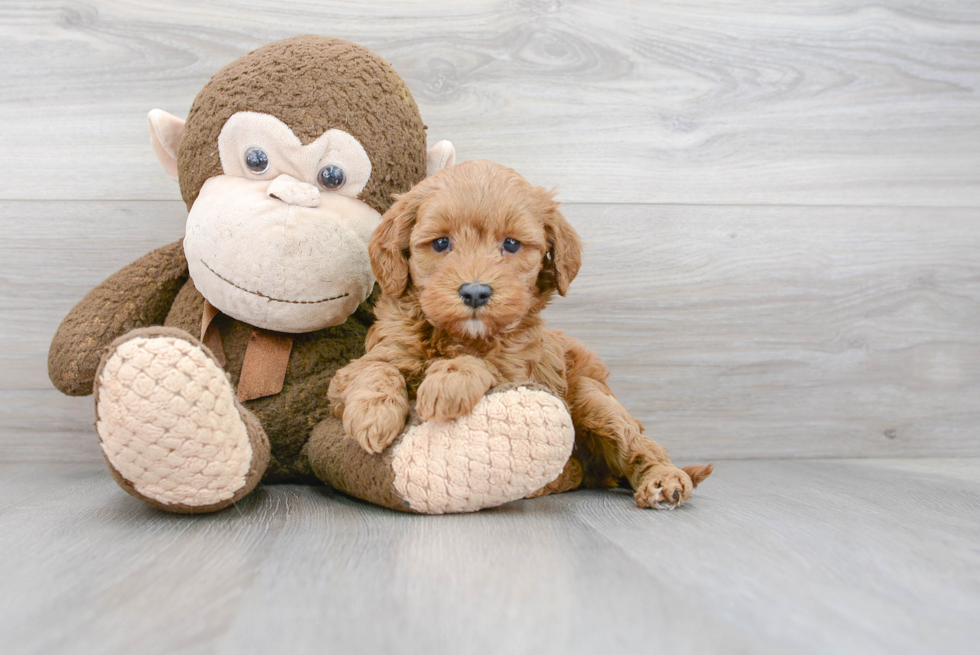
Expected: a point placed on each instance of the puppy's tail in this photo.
(698, 473)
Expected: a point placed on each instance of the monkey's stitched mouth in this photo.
(262, 295)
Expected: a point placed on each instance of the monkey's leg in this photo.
(515, 441)
(569, 479)
(171, 429)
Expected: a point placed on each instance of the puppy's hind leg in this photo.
(609, 431)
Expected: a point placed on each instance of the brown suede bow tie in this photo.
(266, 357)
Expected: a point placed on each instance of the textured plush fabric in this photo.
(442, 154)
(341, 462)
(516, 440)
(141, 294)
(570, 479)
(138, 295)
(474, 462)
(285, 79)
(277, 266)
(166, 131)
(169, 424)
(289, 416)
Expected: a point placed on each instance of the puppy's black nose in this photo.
(475, 295)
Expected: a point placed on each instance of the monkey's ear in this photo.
(388, 247)
(564, 256)
(439, 156)
(166, 130)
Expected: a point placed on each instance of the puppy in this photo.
(466, 261)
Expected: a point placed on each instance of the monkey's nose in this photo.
(293, 192)
(475, 295)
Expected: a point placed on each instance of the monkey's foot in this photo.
(515, 441)
(570, 479)
(171, 429)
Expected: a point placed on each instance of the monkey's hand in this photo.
(452, 387)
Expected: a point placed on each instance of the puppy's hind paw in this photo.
(663, 487)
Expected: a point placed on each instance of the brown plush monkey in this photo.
(210, 358)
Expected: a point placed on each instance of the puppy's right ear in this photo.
(389, 244)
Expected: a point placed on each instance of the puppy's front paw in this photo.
(439, 399)
(374, 422)
(451, 389)
(663, 487)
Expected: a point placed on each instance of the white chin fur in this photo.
(475, 328)
(278, 266)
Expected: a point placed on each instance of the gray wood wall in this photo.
(779, 199)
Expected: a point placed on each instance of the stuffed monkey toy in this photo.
(210, 358)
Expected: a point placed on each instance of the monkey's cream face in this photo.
(280, 240)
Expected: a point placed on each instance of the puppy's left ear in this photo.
(388, 247)
(564, 256)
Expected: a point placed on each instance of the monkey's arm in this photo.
(138, 295)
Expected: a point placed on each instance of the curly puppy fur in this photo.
(480, 223)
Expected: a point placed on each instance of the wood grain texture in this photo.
(769, 557)
(730, 331)
(786, 331)
(756, 102)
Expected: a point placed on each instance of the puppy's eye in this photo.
(511, 245)
(256, 160)
(441, 244)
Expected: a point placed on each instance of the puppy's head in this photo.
(479, 247)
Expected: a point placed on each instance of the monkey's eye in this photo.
(256, 160)
(441, 244)
(511, 245)
(331, 177)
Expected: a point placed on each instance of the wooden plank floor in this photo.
(841, 556)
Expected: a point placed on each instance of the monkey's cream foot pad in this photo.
(169, 425)
(514, 442)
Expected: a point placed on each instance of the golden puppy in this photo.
(467, 260)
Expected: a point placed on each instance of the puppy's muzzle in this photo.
(475, 295)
